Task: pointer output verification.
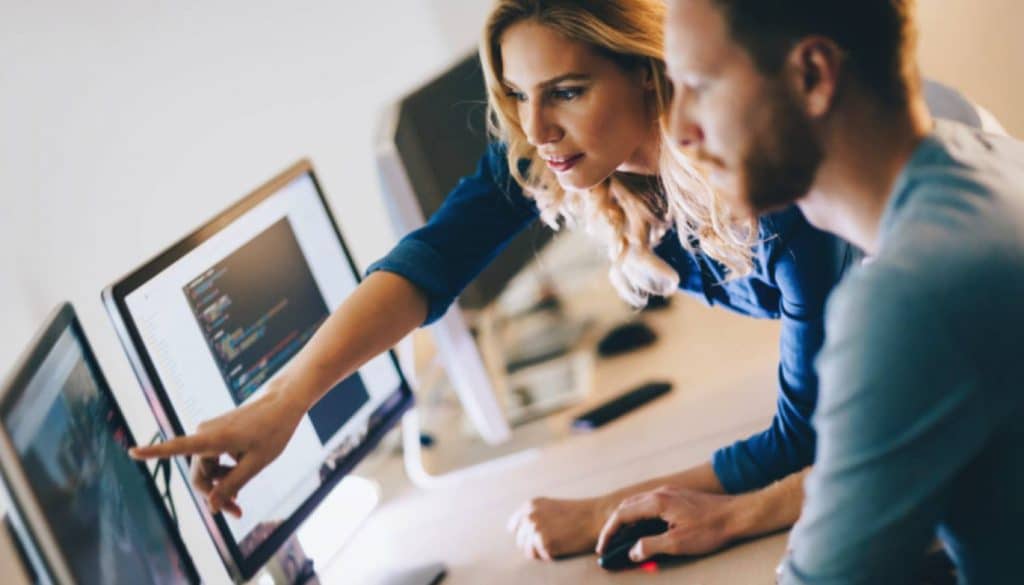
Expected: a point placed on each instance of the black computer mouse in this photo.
(625, 338)
(656, 303)
(616, 553)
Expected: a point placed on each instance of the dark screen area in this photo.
(257, 308)
(441, 136)
(338, 406)
(99, 504)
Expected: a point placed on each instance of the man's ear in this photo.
(813, 68)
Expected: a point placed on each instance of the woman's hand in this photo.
(699, 522)
(547, 529)
(253, 435)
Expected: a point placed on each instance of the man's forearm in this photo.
(701, 478)
(751, 514)
(774, 507)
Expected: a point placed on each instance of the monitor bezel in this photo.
(386, 416)
(31, 521)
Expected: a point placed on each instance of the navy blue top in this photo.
(795, 268)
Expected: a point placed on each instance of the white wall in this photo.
(124, 124)
(977, 46)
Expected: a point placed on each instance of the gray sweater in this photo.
(920, 418)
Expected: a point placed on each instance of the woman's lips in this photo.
(561, 165)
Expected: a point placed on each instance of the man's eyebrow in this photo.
(553, 80)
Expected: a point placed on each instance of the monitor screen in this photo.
(210, 321)
(97, 512)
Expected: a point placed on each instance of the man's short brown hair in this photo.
(878, 37)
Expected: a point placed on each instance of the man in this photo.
(920, 402)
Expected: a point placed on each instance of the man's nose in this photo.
(688, 135)
(685, 130)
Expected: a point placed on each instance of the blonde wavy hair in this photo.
(632, 213)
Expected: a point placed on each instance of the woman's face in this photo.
(586, 115)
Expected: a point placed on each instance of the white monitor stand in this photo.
(451, 333)
(552, 384)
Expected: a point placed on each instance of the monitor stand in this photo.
(317, 542)
(290, 566)
(431, 574)
(556, 376)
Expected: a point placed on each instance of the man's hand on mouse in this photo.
(546, 528)
(699, 522)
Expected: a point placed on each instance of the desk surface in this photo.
(724, 369)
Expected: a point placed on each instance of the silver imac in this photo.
(209, 321)
(427, 140)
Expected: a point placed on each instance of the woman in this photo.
(578, 100)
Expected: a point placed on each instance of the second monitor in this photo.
(210, 321)
(84, 512)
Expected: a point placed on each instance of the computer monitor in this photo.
(83, 510)
(439, 134)
(427, 141)
(208, 322)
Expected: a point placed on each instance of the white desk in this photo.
(724, 369)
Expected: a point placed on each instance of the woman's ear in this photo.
(647, 76)
(649, 82)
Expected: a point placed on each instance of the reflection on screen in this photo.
(72, 444)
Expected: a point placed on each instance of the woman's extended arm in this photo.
(415, 283)
(381, 311)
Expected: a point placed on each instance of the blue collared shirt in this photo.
(795, 268)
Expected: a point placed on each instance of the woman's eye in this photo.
(516, 95)
(567, 94)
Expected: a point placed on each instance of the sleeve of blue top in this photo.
(478, 218)
(804, 264)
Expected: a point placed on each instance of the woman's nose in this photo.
(539, 128)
